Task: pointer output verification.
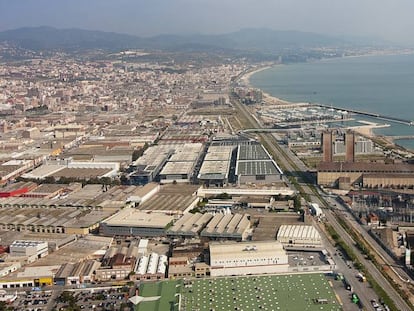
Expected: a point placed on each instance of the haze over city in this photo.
(389, 20)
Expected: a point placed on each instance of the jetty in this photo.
(369, 114)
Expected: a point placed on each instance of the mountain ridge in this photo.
(250, 39)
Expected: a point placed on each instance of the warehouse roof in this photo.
(130, 217)
(365, 167)
(171, 198)
(228, 225)
(256, 168)
(252, 152)
(254, 249)
(302, 232)
(190, 224)
(214, 170)
(177, 168)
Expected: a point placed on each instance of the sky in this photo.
(387, 19)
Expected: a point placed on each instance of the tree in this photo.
(297, 204)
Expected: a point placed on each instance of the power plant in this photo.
(328, 142)
(349, 173)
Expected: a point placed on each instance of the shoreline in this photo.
(366, 130)
(268, 98)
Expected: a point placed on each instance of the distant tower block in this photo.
(327, 146)
(350, 146)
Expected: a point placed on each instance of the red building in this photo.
(16, 189)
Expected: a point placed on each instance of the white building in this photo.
(241, 258)
(151, 267)
(31, 249)
(299, 235)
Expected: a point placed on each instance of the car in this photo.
(374, 303)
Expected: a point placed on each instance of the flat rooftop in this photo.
(219, 156)
(81, 172)
(177, 168)
(131, 217)
(209, 169)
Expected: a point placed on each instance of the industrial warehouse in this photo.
(255, 165)
(232, 258)
(299, 237)
(216, 166)
(131, 221)
(223, 162)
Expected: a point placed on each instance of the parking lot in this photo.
(93, 299)
(32, 301)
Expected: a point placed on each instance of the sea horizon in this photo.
(371, 83)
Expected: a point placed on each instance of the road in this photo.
(399, 272)
(362, 289)
(285, 160)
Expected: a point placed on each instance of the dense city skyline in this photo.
(388, 20)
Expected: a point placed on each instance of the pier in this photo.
(369, 114)
(401, 137)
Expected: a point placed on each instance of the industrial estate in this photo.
(133, 182)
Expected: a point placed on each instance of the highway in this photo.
(285, 159)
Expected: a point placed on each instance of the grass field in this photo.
(276, 292)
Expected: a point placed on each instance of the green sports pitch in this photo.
(292, 292)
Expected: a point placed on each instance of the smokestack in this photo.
(327, 146)
(350, 146)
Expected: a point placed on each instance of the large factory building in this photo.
(346, 174)
(242, 258)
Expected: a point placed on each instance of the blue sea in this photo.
(378, 84)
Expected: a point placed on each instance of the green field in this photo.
(167, 290)
(276, 292)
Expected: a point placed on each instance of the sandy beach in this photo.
(366, 129)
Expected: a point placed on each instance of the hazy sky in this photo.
(389, 19)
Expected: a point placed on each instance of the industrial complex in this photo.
(366, 174)
(172, 184)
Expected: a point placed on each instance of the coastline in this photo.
(366, 129)
(267, 98)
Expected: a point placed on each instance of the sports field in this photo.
(277, 292)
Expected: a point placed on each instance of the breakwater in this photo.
(369, 114)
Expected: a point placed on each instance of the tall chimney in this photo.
(350, 146)
(327, 146)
